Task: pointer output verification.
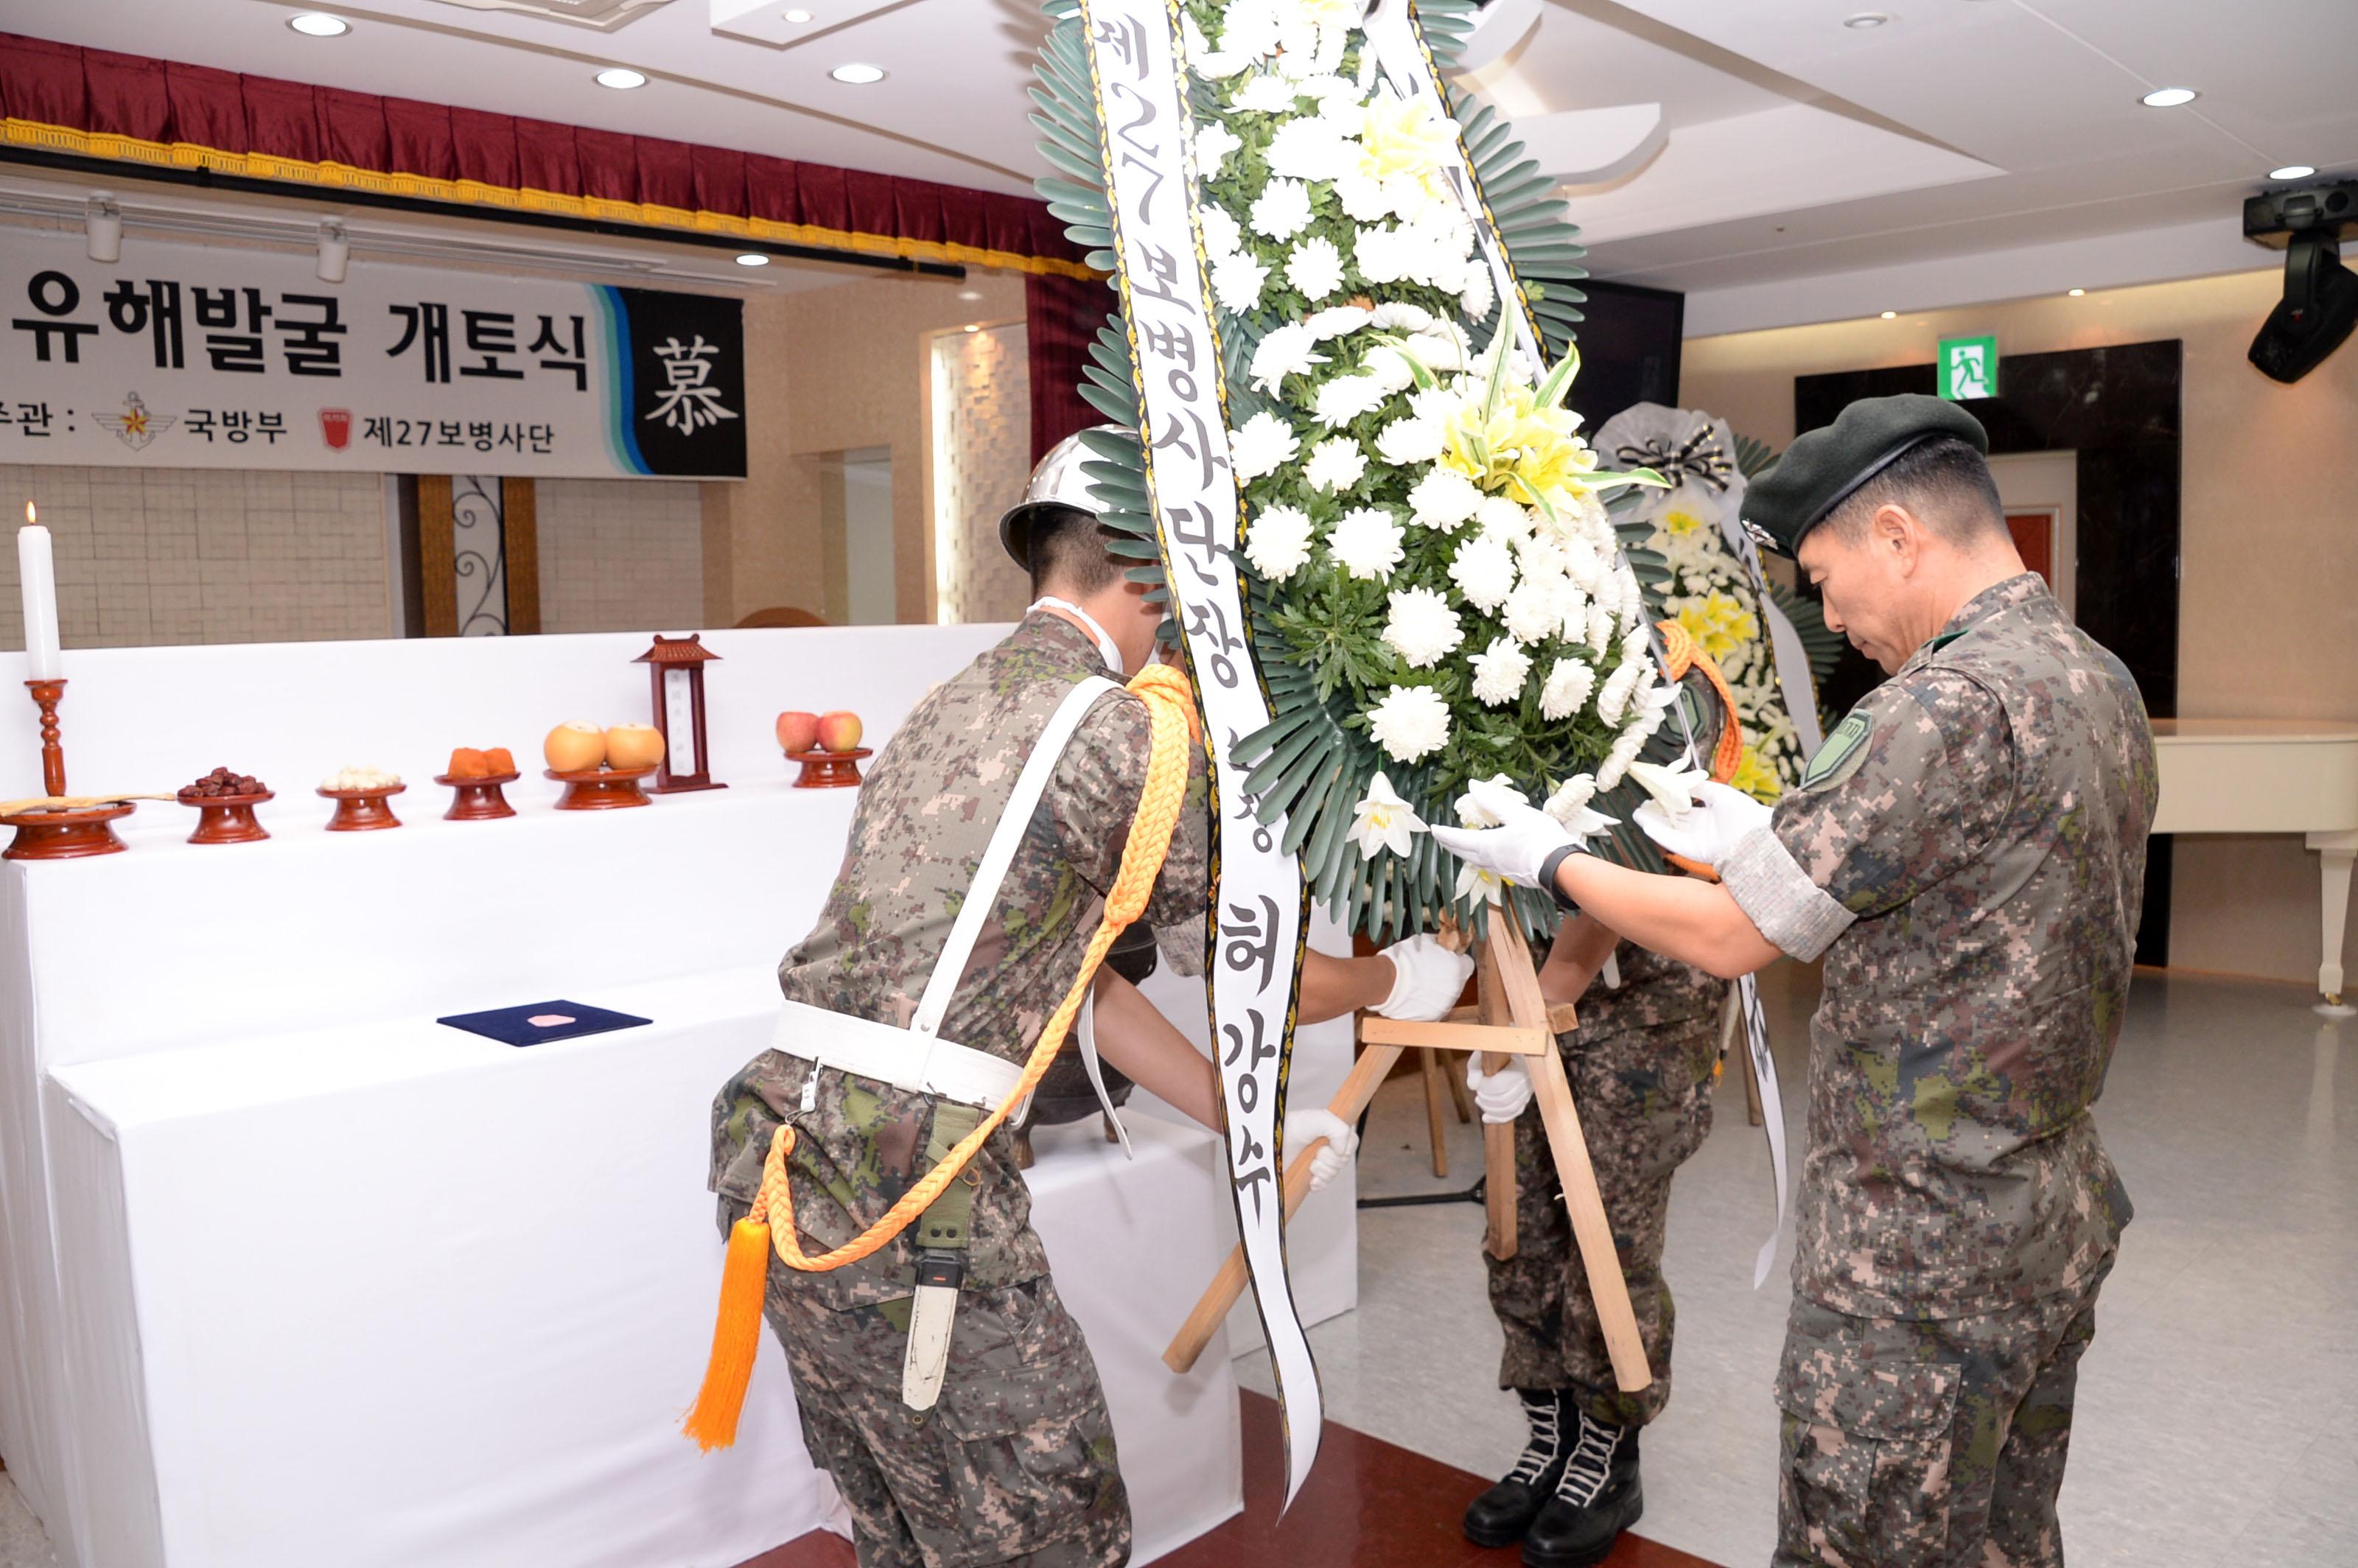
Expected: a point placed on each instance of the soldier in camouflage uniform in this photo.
(1015, 1462)
(1967, 852)
(1641, 1066)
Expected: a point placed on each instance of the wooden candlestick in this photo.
(64, 834)
(47, 694)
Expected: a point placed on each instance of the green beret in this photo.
(1825, 467)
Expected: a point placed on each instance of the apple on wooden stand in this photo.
(797, 732)
(840, 731)
(827, 745)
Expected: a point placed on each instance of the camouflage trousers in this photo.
(1016, 1463)
(1929, 1443)
(1640, 1068)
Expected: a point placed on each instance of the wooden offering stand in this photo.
(478, 799)
(1512, 1019)
(227, 819)
(601, 789)
(63, 833)
(362, 810)
(829, 770)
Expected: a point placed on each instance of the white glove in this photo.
(1327, 1161)
(1518, 847)
(1501, 1095)
(1427, 979)
(1710, 828)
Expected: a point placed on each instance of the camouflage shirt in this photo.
(1967, 850)
(926, 815)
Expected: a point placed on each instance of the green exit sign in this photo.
(1968, 368)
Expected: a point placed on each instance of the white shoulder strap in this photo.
(983, 896)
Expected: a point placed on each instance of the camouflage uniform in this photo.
(1968, 852)
(1640, 1065)
(1016, 1462)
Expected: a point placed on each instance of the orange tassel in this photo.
(736, 1339)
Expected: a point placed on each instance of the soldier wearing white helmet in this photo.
(940, 1380)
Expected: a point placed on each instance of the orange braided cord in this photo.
(1171, 710)
(1680, 655)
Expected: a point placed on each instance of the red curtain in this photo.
(1061, 316)
(159, 101)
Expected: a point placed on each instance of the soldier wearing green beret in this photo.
(1967, 854)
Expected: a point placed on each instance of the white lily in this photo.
(1672, 785)
(1384, 821)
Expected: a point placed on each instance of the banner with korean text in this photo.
(195, 356)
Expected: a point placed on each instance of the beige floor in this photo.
(2218, 1414)
(2218, 1408)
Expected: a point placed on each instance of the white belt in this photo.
(920, 1064)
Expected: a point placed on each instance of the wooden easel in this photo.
(1512, 1020)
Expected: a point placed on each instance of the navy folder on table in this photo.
(515, 1025)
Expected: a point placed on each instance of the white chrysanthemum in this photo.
(1335, 320)
(1347, 397)
(1363, 199)
(1399, 315)
(1237, 280)
(1612, 700)
(1616, 761)
(1480, 292)
(1438, 352)
(1444, 499)
(1571, 607)
(1263, 444)
(1642, 689)
(1530, 610)
(1500, 672)
(1483, 572)
(1366, 542)
(1211, 64)
(1584, 565)
(1265, 95)
(1221, 236)
(1337, 96)
(1278, 542)
(1315, 268)
(1335, 463)
(1406, 442)
(1409, 722)
(1250, 28)
(1633, 601)
(1539, 555)
(1569, 683)
(1384, 255)
(1470, 813)
(1502, 519)
(1440, 404)
(1282, 210)
(1422, 626)
(1214, 142)
(1288, 350)
(1388, 365)
(1600, 628)
(1307, 148)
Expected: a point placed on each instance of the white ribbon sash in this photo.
(1259, 899)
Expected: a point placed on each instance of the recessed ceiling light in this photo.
(753, 258)
(973, 326)
(621, 78)
(857, 75)
(970, 294)
(314, 25)
(1866, 19)
(798, 15)
(1891, 314)
(2075, 293)
(2168, 97)
(2292, 171)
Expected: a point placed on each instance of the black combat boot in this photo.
(1499, 1516)
(1596, 1497)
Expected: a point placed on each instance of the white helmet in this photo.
(1057, 482)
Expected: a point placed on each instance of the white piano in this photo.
(2263, 775)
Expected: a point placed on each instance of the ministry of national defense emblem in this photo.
(134, 426)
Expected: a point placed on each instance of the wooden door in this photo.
(2034, 538)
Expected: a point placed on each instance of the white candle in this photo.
(41, 585)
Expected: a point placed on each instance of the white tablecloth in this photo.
(398, 1295)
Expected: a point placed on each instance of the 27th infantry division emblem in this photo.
(134, 426)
